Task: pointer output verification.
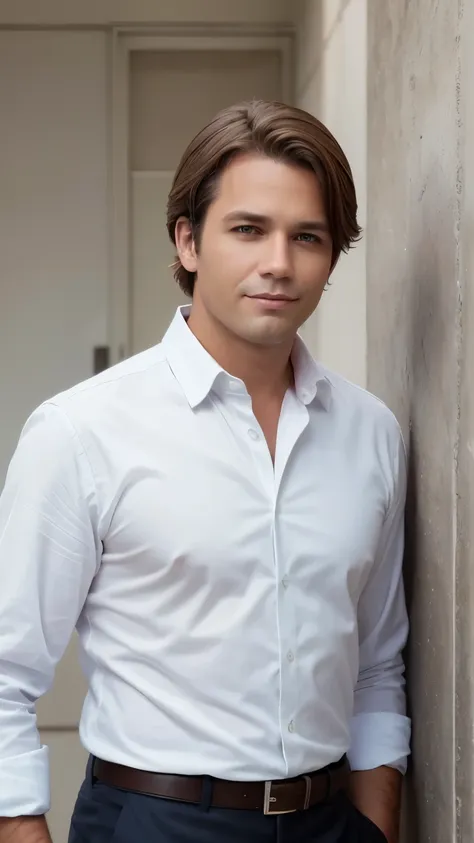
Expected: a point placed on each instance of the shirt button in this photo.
(290, 656)
(285, 582)
(291, 726)
(253, 434)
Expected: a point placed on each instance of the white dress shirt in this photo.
(237, 618)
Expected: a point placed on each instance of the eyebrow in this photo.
(249, 216)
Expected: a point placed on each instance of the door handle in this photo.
(101, 358)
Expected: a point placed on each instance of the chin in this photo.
(267, 338)
(263, 330)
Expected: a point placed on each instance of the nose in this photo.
(276, 258)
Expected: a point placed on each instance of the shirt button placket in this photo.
(288, 666)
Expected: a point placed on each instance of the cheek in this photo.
(239, 251)
(227, 261)
(219, 274)
(213, 249)
(313, 270)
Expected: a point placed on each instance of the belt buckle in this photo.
(269, 799)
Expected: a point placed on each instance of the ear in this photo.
(185, 244)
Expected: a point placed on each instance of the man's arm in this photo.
(377, 794)
(49, 554)
(380, 730)
(24, 830)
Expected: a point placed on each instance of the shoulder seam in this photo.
(358, 388)
(376, 398)
(86, 385)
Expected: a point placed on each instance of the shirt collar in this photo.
(197, 372)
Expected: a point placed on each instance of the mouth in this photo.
(273, 302)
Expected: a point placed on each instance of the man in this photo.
(222, 518)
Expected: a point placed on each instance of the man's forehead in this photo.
(252, 165)
(249, 185)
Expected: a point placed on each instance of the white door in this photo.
(172, 96)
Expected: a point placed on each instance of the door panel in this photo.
(53, 217)
(174, 94)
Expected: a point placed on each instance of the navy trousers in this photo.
(105, 814)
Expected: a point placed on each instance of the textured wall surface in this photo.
(464, 580)
(420, 355)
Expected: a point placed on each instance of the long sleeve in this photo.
(49, 554)
(380, 729)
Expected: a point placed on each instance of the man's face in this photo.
(265, 251)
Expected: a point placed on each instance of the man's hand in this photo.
(377, 794)
(24, 830)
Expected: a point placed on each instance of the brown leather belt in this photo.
(273, 797)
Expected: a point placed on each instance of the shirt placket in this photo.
(293, 420)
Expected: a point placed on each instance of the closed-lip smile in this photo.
(272, 297)
(272, 301)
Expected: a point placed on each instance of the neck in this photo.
(265, 371)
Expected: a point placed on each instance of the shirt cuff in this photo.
(24, 784)
(379, 738)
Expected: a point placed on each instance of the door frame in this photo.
(161, 38)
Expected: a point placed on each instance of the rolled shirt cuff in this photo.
(24, 784)
(379, 738)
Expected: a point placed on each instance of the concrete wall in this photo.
(420, 352)
(331, 84)
(410, 139)
(464, 571)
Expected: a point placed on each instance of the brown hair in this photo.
(280, 132)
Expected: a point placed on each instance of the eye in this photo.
(245, 229)
(306, 237)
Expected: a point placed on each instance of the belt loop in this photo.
(307, 797)
(206, 793)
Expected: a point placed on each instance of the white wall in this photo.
(53, 277)
(53, 217)
(331, 84)
(56, 12)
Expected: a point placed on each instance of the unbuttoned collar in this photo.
(198, 373)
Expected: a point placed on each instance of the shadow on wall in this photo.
(425, 331)
(431, 403)
(410, 824)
